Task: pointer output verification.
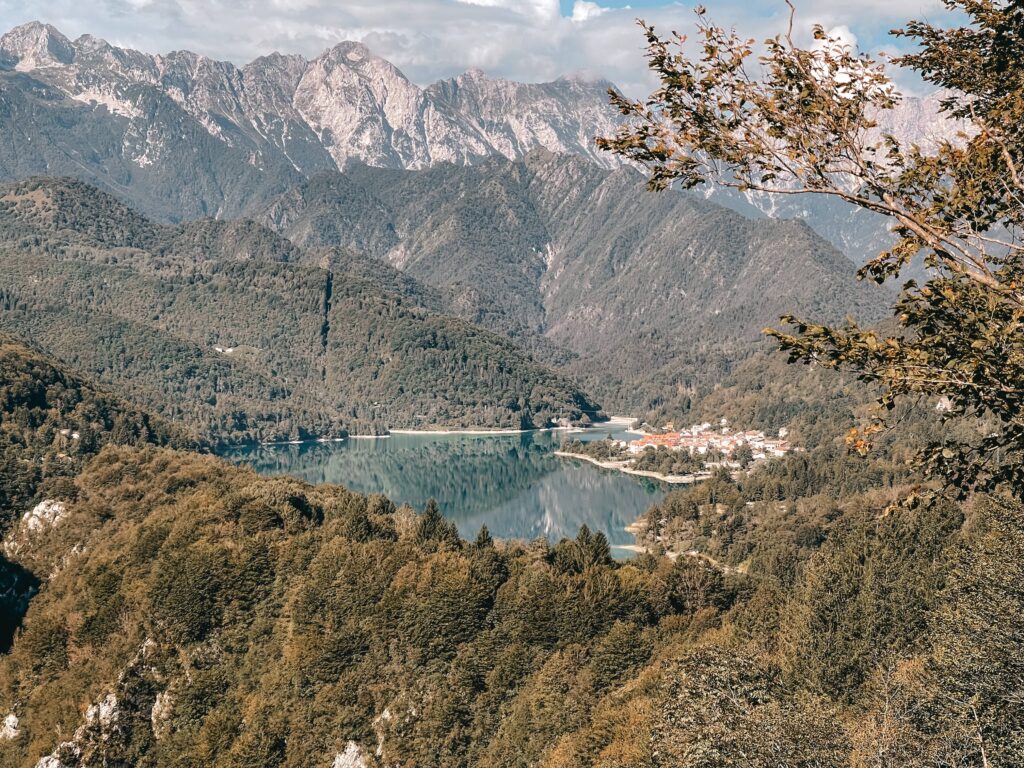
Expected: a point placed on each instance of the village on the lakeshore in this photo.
(702, 440)
(681, 456)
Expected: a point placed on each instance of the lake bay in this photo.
(513, 484)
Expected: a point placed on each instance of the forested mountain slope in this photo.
(195, 613)
(267, 622)
(236, 332)
(190, 612)
(552, 249)
(582, 255)
(52, 422)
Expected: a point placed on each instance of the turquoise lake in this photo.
(513, 484)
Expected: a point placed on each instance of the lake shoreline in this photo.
(622, 422)
(623, 466)
(479, 432)
(472, 431)
(511, 483)
(443, 432)
(613, 421)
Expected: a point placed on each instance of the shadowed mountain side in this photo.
(584, 266)
(234, 329)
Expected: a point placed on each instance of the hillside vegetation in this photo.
(636, 296)
(234, 331)
(52, 422)
(195, 613)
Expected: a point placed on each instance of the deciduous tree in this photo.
(805, 120)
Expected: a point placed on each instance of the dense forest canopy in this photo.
(52, 422)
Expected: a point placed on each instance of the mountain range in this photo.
(352, 297)
(472, 198)
(184, 136)
(581, 265)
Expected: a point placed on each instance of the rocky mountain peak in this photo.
(280, 111)
(349, 63)
(364, 109)
(353, 54)
(196, 65)
(186, 135)
(276, 64)
(34, 45)
(91, 44)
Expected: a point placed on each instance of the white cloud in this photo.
(540, 9)
(430, 39)
(843, 34)
(582, 10)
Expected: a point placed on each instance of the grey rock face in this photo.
(35, 45)
(183, 135)
(515, 118)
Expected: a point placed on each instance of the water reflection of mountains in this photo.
(513, 483)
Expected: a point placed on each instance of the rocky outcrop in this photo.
(99, 726)
(10, 729)
(198, 136)
(114, 719)
(34, 523)
(351, 757)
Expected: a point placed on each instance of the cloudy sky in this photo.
(530, 40)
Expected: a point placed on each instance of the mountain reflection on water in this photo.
(513, 484)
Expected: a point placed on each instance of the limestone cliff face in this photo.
(186, 135)
(514, 118)
(35, 45)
